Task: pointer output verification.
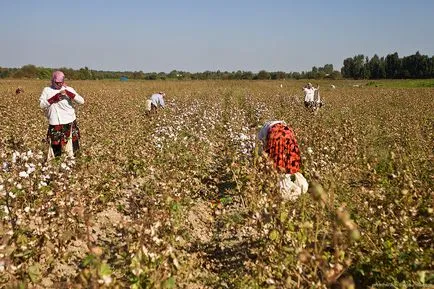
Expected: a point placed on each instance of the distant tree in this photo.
(151, 76)
(85, 73)
(432, 67)
(347, 69)
(310, 75)
(173, 74)
(416, 66)
(366, 73)
(393, 65)
(138, 75)
(44, 73)
(247, 75)
(263, 75)
(359, 67)
(376, 68)
(27, 71)
(328, 68)
(354, 67)
(162, 75)
(296, 75)
(335, 75)
(186, 75)
(4, 72)
(278, 75)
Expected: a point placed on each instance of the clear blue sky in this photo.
(199, 35)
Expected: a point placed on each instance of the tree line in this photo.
(357, 67)
(389, 67)
(32, 72)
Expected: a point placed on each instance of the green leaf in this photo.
(88, 260)
(169, 283)
(104, 270)
(283, 216)
(274, 235)
(35, 272)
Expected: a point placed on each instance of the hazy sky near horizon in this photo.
(200, 35)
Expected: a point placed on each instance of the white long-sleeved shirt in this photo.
(309, 94)
(157, 100)
(61, 112)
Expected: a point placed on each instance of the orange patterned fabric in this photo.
(282, 148)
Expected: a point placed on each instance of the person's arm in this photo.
(45, 101)
(73, 95)
(161, 101)
(263, 133)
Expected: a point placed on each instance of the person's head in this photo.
(309, 85)
(57, 79)
(162, 93)
(19, 90)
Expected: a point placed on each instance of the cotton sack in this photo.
(291, 190)
(148, 105)
(50, 153)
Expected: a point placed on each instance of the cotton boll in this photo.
(5, 166)
(14, 157)
(23, 174)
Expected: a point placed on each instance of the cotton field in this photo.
(184, 198)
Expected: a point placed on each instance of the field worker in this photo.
(156, 101)
(280, 145)
(63, 130)
(19, 90)
(309, 95)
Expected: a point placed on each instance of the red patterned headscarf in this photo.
(57, 76)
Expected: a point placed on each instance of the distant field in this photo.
(408, 83)
(398, 83)
(183, 199)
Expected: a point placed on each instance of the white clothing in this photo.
(157, 100)
(61, 112)
(309, 94)
(263, 133)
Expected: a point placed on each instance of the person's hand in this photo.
(69, 94)
(54, 99)
(63, 92)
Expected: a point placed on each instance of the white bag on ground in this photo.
(291, 190)
(148, 105)
(50, 153)
(301, 182)
(69, 149)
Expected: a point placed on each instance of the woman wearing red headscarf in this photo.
(57, 101)
(280, 145)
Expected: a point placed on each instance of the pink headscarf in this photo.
(57, 76)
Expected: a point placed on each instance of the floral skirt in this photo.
(59, 134)
(283, 149)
